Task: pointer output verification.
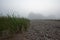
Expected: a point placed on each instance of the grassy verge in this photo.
(10, 25)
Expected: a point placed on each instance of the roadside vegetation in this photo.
(11, 25)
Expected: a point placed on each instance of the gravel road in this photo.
(41, 30)
(44, 30)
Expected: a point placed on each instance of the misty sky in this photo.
(24, 7)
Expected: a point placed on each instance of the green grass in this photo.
(13, 24)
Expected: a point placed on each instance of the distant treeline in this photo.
(40, 16)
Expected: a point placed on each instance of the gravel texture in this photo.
(44, 30)
(41, 30)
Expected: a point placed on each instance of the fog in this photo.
(33, 9)
(40, 16)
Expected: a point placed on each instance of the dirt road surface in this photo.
(40, 30)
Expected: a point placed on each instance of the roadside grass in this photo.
(11, 25)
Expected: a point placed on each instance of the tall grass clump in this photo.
(10, 25)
